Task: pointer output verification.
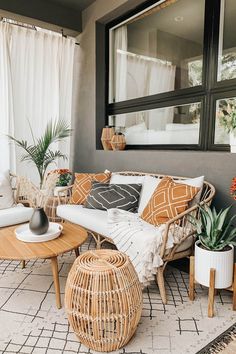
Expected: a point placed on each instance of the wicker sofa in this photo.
(95, 221)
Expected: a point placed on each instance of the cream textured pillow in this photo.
(194, 182)
(117, 178)
(149, 185)
(6, 194)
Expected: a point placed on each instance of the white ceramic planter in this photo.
(222, 262)
(232, 141)
(57, 190)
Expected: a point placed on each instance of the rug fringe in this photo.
(221, 342)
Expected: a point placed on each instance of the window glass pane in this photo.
(227, 41)
(157, 51)
(169, 125)
(223, 108)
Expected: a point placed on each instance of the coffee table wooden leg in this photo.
(22, 264)
(211, 293)
(76, 252)
(191, 279)
(56, 281)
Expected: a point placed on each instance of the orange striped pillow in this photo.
(168, 200)
(82, 185)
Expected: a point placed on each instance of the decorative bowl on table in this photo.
(23, 233)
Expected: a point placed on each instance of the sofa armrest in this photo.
(182, 220)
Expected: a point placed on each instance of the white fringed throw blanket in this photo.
(140, 240)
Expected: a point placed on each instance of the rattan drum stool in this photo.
(103, 299)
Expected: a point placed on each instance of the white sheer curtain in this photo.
(120, 61)
(38, 72)
(120, 48)
(162, 79)
(7, 152)
(138, 76)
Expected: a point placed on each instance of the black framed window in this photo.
(166, 74)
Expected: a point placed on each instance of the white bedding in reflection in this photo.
(174, 134)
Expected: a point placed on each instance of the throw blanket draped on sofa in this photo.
(140, 240)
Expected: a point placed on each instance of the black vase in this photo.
(39, 222)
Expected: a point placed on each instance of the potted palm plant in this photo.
(40, 152)
(214, 248)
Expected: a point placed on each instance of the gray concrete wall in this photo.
(218, 167)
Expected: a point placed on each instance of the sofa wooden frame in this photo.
(183, 220)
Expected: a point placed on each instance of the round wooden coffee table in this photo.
(70, 239)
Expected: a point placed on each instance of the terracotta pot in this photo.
(118, 141)
(107, 134)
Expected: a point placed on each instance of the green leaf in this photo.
(40, 153)
(227, 228)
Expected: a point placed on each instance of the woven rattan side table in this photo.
(103, 299)
(51, 207)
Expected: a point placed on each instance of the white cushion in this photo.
(116, 178)
(92, 219)
(6, 194)
(97, 221)
(136, 128)
(181, 127)
(15, 215)
(194, 182)
(149, 185)
(152, 136)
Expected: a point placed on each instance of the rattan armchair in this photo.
(26, 192)
(182, 234)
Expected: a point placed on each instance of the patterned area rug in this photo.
(31, 323)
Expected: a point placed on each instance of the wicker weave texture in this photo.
(103, 299)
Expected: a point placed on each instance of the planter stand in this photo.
(212, 291)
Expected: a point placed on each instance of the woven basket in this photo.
(107, 134)
(103, 299)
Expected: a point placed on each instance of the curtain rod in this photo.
(34, 28)
(144, 57)
(65, 36)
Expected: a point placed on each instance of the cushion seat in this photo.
(91, 219)
(96, 220)
(15, 215)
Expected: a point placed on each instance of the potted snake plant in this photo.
(215, 246)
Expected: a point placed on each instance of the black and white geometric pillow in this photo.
(105, 196)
